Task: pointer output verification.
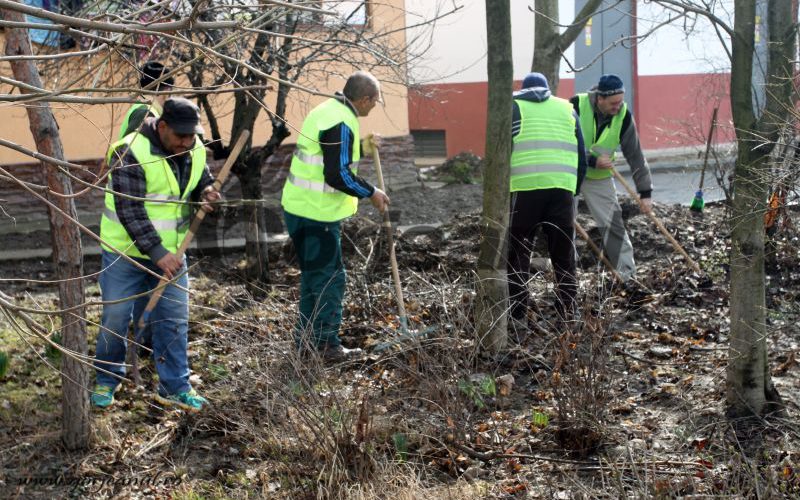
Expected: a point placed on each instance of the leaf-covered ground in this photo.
(632, 404)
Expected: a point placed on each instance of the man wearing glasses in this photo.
(321, 190)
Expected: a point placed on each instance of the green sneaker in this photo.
(189, 401)
(103, 396)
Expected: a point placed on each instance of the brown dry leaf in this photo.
(782, 368)
(669, 389)
(666, 338)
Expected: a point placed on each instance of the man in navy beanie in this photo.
(607, 125)
(547, 166)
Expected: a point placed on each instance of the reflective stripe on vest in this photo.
(607, 143)
(310, 159)
(311, 185)
(159, 225)
(152, 109)
(545, 151)
(165, 205)
(305, 193)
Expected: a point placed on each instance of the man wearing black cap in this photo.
(607, 124)
(150, 72)
(547, 167)
(156, 173)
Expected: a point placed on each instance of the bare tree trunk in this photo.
(492, 297)
(548, 44)
(750, 390)
(67, 252)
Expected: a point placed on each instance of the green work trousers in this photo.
(322, 278)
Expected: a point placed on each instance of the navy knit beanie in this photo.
(610, 85)
(534, 80)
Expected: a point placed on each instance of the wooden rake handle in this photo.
(600, 255)
(387, 224)
(657, 222)
(198, 219)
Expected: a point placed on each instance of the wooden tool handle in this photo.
(387, 224)
(708, 146)
(198, 219)
(600, 255)
(657, 222)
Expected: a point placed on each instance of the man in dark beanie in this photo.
(547, 166)
(150, 72)
(155, 174)
(607, 124)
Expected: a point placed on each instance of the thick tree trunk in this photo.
(748, 373)
(67, 252)
(492, 296)
(248, 171)
(750, 391)
(548, 44)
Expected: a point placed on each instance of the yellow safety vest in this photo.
(305, 193)
(154, 109)
(608, 141)
(545, 151)
(170, 220)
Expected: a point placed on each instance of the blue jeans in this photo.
(168, 326)
(322, 279)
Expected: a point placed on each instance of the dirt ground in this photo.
(630, 405)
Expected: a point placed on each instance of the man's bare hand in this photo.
(379, 200)
(170, 264)
(603, 161)
(647, 205)
(371, 143)
(209, 196)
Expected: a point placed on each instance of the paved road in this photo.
(678, 185)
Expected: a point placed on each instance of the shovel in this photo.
(144, 320)
(405, 333)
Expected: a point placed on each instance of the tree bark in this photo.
(66, 243)
(750, 391)
(548, 44)
(492, 286)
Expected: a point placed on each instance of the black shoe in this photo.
(338, 354)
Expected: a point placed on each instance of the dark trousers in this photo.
(322, 279)
(552, 209)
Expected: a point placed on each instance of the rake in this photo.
(405, 333)
(677, 246)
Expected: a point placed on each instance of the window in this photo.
(429, 143)
(348, 12)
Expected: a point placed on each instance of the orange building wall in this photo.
(87, 130)
(674, 110)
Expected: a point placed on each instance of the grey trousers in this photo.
(600, 196)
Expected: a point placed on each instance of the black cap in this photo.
(182, 116)
(152, 71)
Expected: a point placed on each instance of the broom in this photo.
(698, 203)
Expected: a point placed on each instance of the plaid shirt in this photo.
(129, 178)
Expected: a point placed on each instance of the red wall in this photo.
(675, 110)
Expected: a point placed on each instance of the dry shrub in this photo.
(581, 384)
